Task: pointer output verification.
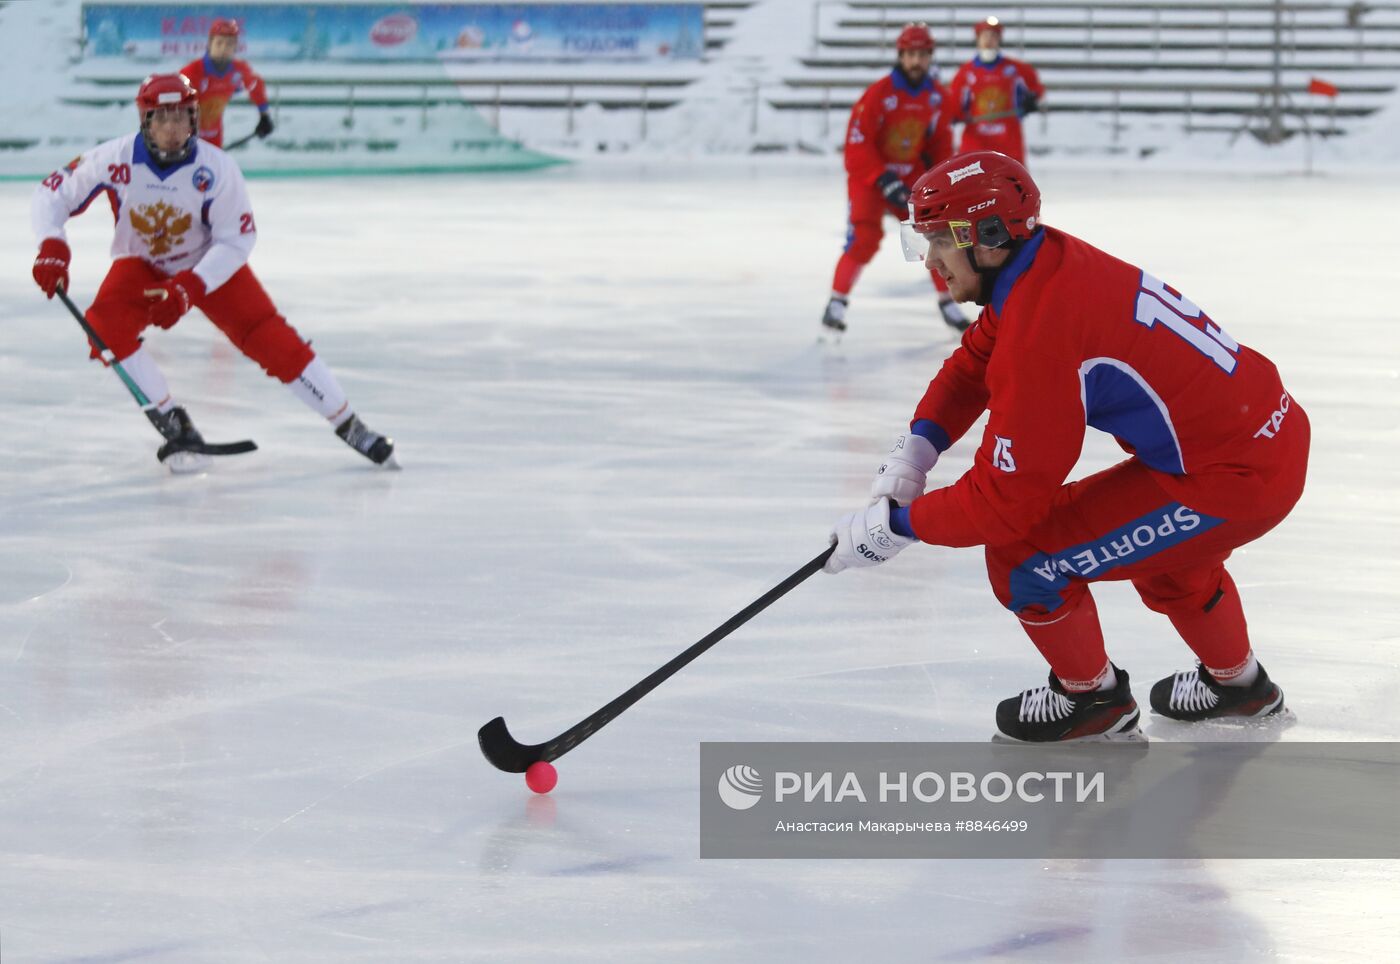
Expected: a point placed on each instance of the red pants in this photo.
(999, 135)
(1121, 524)
(864, 231)
(240, 308)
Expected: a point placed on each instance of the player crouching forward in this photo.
(1070, 337)
(184, 230)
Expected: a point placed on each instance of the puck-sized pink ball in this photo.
(541, 776)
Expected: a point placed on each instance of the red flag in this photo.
(1316, 86)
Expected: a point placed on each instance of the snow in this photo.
(238, 710)
(725, 111)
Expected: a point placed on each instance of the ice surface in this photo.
(238, 711)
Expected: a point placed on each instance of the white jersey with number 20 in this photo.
(191, 215)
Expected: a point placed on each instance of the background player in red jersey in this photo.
(897, 129)
(217, 76)
(184, 231)
(1068, 338)
(990, 95)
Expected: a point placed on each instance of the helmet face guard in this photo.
(951, 235)
(178, 154)
(162, 95)
(945, 237)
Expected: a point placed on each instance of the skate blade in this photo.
(391, 464)
(187, 463)
(1135, 735)
(1263, 721)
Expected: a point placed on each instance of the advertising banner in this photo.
(401, 32)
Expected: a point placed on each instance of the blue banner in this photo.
(401, 32)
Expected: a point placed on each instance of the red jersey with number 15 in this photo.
(1074, 338)
(216, 88)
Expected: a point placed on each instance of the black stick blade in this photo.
(207, 448)
(502, 750)
(229, 448)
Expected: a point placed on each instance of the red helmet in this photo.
(167, 90)
(915, 36)
(991, 23)
(984, 198)
(223, 27)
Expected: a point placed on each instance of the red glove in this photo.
(51, 266)
(173, 298)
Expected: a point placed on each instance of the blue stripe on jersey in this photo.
(88, 200)
(1017, 266)
(140, 155)
(902, 82)
(1039, 580)
(1118, 400)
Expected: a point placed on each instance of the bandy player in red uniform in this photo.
(184, 230)
(897, 129)
(217, 76)
(990, 95)
(1071, 338)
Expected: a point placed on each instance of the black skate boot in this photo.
(179, 453)
(953, 315)
(379, 449)
(1194, 695)
(834, 317)
(1047, 714)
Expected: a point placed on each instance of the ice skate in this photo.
(379, 449)
(182, 438)
(953, 315)
(834, 318)
(1048, 714)
(1194, 695)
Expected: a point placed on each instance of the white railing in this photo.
(1213, 25)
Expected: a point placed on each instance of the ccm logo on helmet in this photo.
(962, 172)
(984, 204)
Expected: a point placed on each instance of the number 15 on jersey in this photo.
(1158, 303)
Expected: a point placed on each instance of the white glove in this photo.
(904, 472)
(864, 538)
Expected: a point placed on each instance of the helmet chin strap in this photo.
(163, 157)
(166, 158)
(989, 274)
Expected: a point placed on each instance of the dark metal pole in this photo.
(1275, 130)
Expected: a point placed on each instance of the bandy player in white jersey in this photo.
(184, 230)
